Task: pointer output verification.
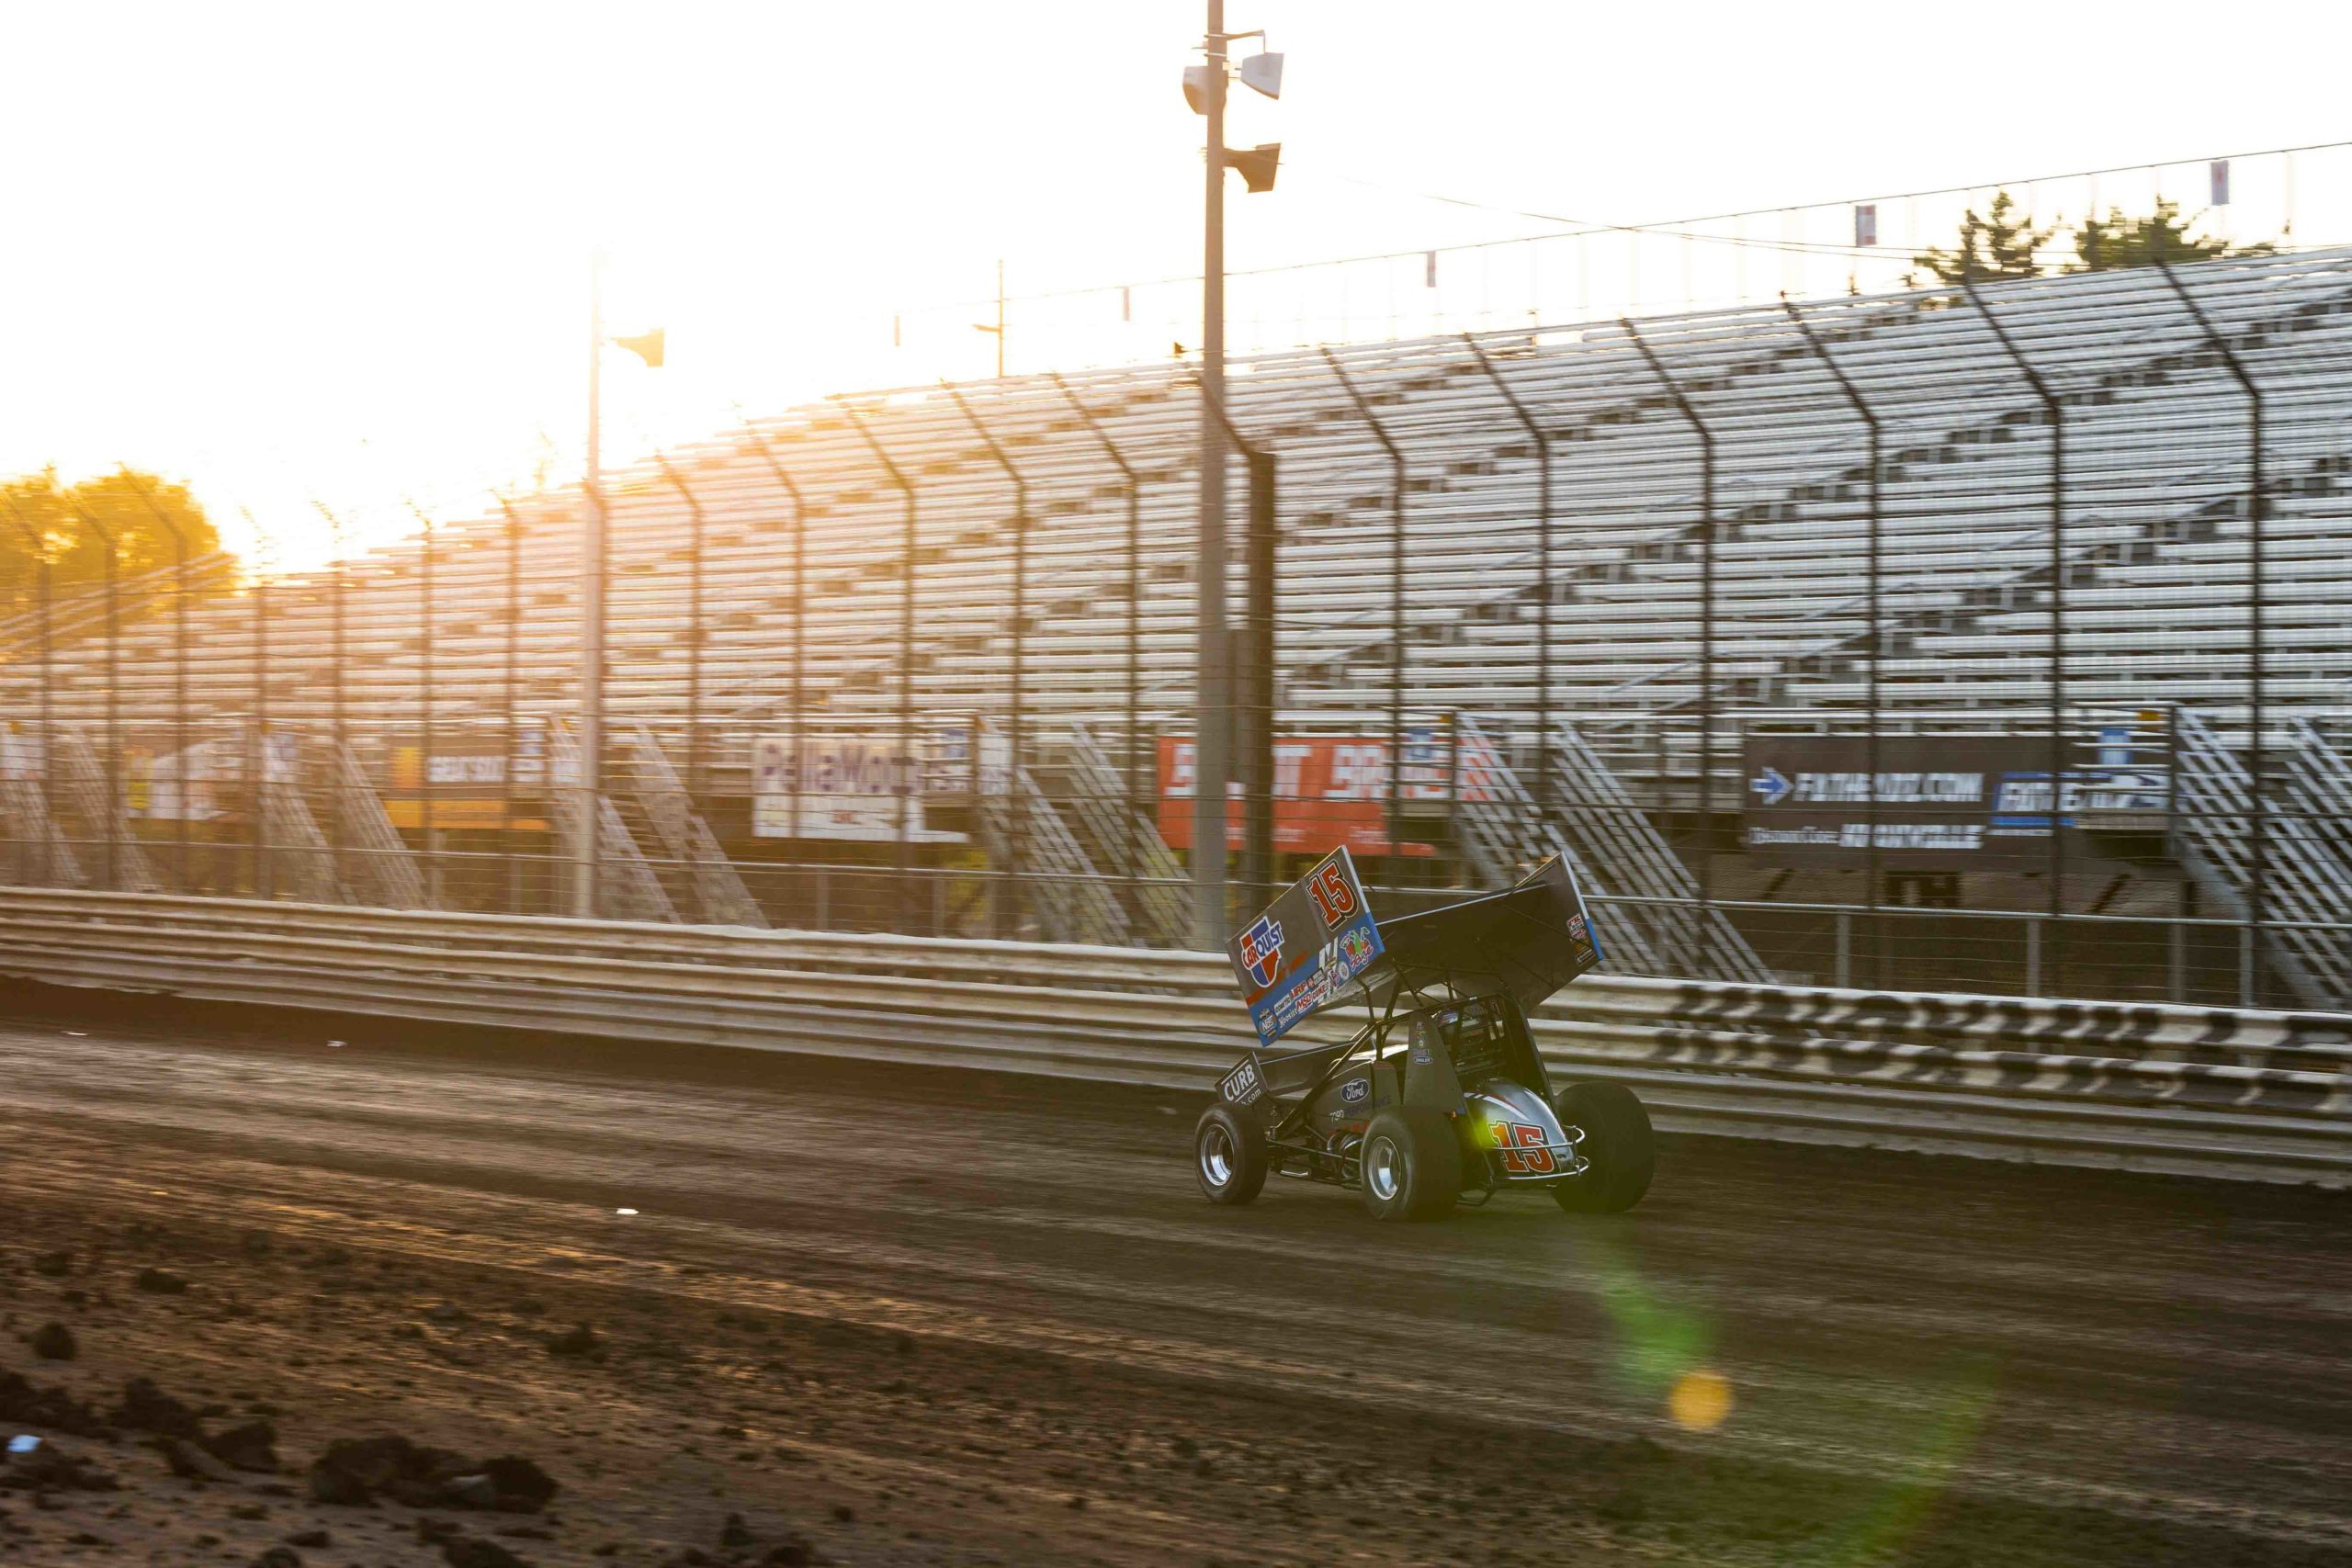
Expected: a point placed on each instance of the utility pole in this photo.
(1212, 676)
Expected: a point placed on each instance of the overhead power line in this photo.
(1573, 228)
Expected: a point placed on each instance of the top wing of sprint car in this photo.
(1440, 1092)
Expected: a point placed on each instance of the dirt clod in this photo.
(474, 1551)
(146, 1408)
(50, 1469)
(54, 1265)
(54, 1342)
(357, 1472)
(579, 1344)
(26, 1402)
(159, 1283)
(252, 1446)
(190, 1462)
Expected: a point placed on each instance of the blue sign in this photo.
(1300, 954)
(1261, 950)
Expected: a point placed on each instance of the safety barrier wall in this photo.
(2235, 1093)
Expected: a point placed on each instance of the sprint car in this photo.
(1440, 1097)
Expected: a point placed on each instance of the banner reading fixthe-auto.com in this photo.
(1943, 802)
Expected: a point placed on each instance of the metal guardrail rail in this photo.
(625, 884)
(2223, 1092)
(2309, 885)
(386, 862)
(1079, 905)
(687, 838)
(45, 856)
(299, 851)
(1101, 799)
(86, 786)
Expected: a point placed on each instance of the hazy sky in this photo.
(341, 250)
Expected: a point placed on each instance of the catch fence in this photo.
(1987, 637)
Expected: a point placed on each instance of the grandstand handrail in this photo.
(2241, 1093)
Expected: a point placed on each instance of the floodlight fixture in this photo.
(1262, 74)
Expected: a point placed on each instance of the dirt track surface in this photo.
(900, 1316)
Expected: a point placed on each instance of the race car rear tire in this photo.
(1411, 1164)
(1229, 1153)
(1618, 1148)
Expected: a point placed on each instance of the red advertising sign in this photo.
(1330, 792)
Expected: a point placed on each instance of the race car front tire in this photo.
(1617, 1148)
(1229, 1153)
(1411, 1164)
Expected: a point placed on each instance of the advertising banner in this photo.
(1303, 951)
(214, 787)
(848, 787)
(1327, 790)
(468, 781)
(1945, 802)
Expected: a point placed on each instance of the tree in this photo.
(1992, 247)
(75, 553)
(2116, 240)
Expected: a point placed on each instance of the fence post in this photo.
(1876, 631)
(1253, 673)
(39, 549)
(114, 818)
(179, 679)
(2257, 868)
(1706, 640)
(1396, 613)
(2054, 410)
(257, 768)
(335, 694)
(32, 830)
(799, 619)
(694, 630)
(1133, 845)
(1008, 908)
(506, 772)
(2176, 962)
(1541, 793)
(425, 751)
(907, 772)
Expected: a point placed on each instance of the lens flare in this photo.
(1700, 1400)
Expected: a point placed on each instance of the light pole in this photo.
(647, 347)
(1212, 757)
